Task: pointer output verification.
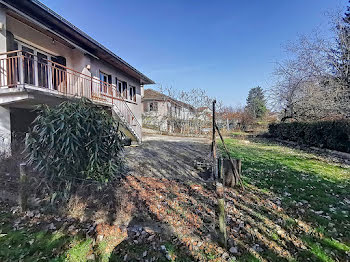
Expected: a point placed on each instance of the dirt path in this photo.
(168, 157)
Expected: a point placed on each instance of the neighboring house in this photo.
(46, 59)
(224, 120)
(165, 113)
(205, 114)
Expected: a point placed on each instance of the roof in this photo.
(203, 108)
(151, 94)
(56, 23)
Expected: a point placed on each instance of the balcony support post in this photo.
(5, 131)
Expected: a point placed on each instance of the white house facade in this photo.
(165, 113)
(44, 59)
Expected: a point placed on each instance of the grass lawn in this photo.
(313, 197)
(295, 208)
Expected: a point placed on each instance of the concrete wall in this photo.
(5, 119)
(5, 131)
(13, 122)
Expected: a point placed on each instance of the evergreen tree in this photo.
(347, 15)
(256, 103)
(343, 49)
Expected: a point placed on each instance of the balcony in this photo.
(23, 70)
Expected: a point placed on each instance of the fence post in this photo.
(214, 145)
(220, 169)
(220, 190)
(23, 194)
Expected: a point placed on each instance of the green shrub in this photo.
(325, 134)
(75, 142)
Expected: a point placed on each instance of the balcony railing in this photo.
(18, 68)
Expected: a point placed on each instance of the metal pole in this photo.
(214, 144)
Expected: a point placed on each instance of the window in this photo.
(59, 76)
(103, 77)
(116, 86)
(153, 106)
(42, 70)
(28, 66)
(119, 89)
(132, 93)
(125, 89)
(37, 68)
(105, 80)
(122, 89)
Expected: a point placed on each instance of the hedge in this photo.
(333, 135)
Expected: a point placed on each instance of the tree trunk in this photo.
(232, 173)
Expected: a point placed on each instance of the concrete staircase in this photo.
(127, 128)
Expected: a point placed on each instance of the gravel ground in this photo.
(168, 157)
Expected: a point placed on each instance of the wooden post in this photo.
(214, 144)
(236, 172)
(221, 213)
(23, 194)
(221, 169)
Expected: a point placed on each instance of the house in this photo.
(165, 113)
(205, 114)
(44, 59)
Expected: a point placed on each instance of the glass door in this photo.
(28, 65)
(36, 67)
(43, 71)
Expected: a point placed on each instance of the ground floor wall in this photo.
(14, 124)
(21, 121)
(5, 130)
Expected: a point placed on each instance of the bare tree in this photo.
(311, 85)
(202, 103)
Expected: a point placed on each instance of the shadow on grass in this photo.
(263, 222)
(321, 186)
(306, 190)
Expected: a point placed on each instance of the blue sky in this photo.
(225, 47)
